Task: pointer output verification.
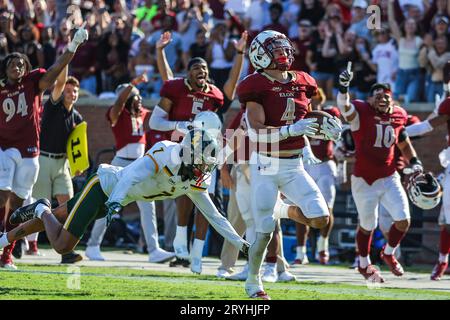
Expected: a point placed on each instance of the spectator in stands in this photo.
(256, 17)
(62, 38)
(4, 51)
(437, 9)
(164, 9)
(48, 46)
(359, 19)
(276, 11)
(363, 69)
(238, 7)
(41, 14)
(59, 118)
(194, 18)
(407, 84)
(385, 57)
(321, 55)
(346, 52)
(199, 48)
(440, 27)
(113, 61)
(147, 11)
(174, 49)
(143, 63)
(29, 45)
(219, 55)
(291, 9)
(7, 28)
(312, 10)
(301, 45)
(433, 56)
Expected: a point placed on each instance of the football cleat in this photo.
(26, 213)
(160, 256)
(179, 262)
(270, 273)
(371, 273)
(393, 264)
(71, 257)
(260, 295)
(240, 276)
(438, 271)
(94, 253)
(286, 276)
(8, 266)
(223, 274)
(299, 261)
(255, 290)
(324, 257)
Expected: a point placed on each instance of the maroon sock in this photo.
(32, 246)
(444, 243)
(395, 236)
(271, 259)
(363, 241)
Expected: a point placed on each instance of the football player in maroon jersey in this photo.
(276, 102)
(439, 117)
(181, 100)
(21, 99)
(377, 126)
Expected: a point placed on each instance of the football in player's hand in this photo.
(320, 116)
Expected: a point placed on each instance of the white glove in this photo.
(308, 156)
(183, 126)
(80, 36)
(308, 127)
(331, 128)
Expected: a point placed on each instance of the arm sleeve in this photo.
(204, 203)
(419, 129)
(159, 120)
(138, 171)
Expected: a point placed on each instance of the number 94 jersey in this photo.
(375, 135)
(19, 114)
(283, 103)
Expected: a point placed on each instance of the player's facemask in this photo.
(282, 62)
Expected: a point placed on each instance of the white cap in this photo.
(359, 4)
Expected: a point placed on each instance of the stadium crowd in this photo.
(127, 39)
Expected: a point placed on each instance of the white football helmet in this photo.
(424, 190)
(262, 47)
(208, 121)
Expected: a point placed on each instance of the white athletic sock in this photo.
(389, 250)
(197, 248)
(4, 240)
(301, 252)
(322, 244)
(364, 261)
(280, 211)
(443, 258)
(181, 235)
(40, 209)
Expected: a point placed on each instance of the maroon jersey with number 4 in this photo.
(283, 103)
(375, 141)
(323, 149)
(20, 114)
(444, 109)
(128, 128)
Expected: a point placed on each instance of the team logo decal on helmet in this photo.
(424, 190)
(262, 49)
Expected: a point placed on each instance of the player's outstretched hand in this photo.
(80, 36)
(164, 40)
(184, 126)
(345, 78)
(308, 127)
(332, 128)
(240, 45)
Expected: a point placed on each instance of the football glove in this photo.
(331, 128)
(308, 156)
(184, 126)
(308, 127)
(112, 208)
(415, 166)
(80, 36)
(344, 78)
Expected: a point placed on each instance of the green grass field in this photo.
(98, 283)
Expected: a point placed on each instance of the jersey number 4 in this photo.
(9, 107)
(385, 138)
(289, 112)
